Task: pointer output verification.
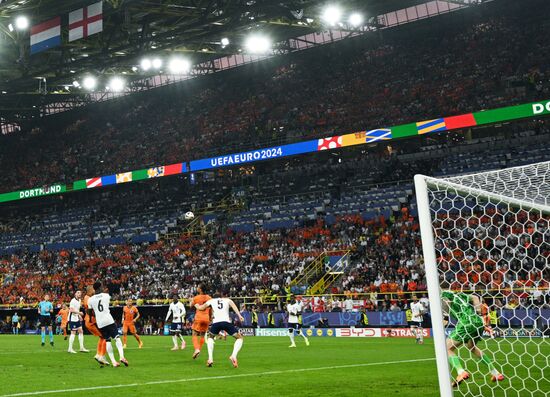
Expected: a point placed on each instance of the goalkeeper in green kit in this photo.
(466, 309)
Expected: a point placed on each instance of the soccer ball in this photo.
(189, 215)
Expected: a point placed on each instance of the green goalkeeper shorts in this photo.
(465, 333)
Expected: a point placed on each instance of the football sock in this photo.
(202, 342)
(210, 347)
(196, 344)
(99, 346)
(124, 338)
(109, 348)
(236, 347)
(137, 338)
(103, 347)
(485, 359)
(175, 340)
(43, 335)
(51, 335)
(455, 364)
(81, 341)
(71, 341)
(119, 347)
(291, 336)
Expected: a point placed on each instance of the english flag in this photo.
(86, 21)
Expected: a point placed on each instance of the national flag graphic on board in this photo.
(93, 182)
(357, 138)
(46, 35)
(124, 177)
(329, 143)
(436, 125)
(108, 180)
(382, 134)
(155, 172)
(86, 21)
(173, 169)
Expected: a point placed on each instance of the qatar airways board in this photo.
(254, 155)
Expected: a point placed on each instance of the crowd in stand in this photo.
(252, 264)
(386, 264)
(362, 86)
(342, 88)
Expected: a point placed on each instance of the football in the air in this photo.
(189, 215)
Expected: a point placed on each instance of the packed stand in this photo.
(294, 97)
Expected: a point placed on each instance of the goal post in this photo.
(487, 235)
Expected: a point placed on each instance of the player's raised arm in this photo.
(235, 309)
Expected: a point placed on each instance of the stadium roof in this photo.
(133, 29)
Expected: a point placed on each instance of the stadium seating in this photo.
(255, 251)
(305, 99)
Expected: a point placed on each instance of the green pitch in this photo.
(267, 367)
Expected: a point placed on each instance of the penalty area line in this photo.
(203, 378)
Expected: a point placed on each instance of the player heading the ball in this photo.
(222, 322)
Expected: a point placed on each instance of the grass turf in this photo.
(267, 367)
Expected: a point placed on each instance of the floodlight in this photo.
(332, 15)
(258, 44)
(89, 82)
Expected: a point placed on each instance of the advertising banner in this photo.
(254, 155)
(272, 332)
(247, 331)
(319, 332)
(434, 125)
(358, 332)
(403, 332)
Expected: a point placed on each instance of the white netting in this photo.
(529, 183)
(492, 240)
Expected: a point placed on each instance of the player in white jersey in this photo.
(99, 304)
(294, 309)
(221, 321)
(75, 323)
(177, 310)
(417, 311)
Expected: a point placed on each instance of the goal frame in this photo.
(422, 183)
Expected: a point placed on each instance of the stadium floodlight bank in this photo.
(486, 234)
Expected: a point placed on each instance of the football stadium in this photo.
(275, 198)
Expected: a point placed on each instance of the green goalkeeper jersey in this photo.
(462, 309)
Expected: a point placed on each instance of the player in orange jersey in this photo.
(64, 313)
(201, 321)
(130, 314)
(91, 326)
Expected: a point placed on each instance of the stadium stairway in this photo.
(321, 273)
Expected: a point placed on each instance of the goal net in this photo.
(486, 244)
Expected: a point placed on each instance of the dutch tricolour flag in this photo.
(86, 21)
(46, 35)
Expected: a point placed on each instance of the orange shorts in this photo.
(200, 325)
(92, 327)
(129, 327)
